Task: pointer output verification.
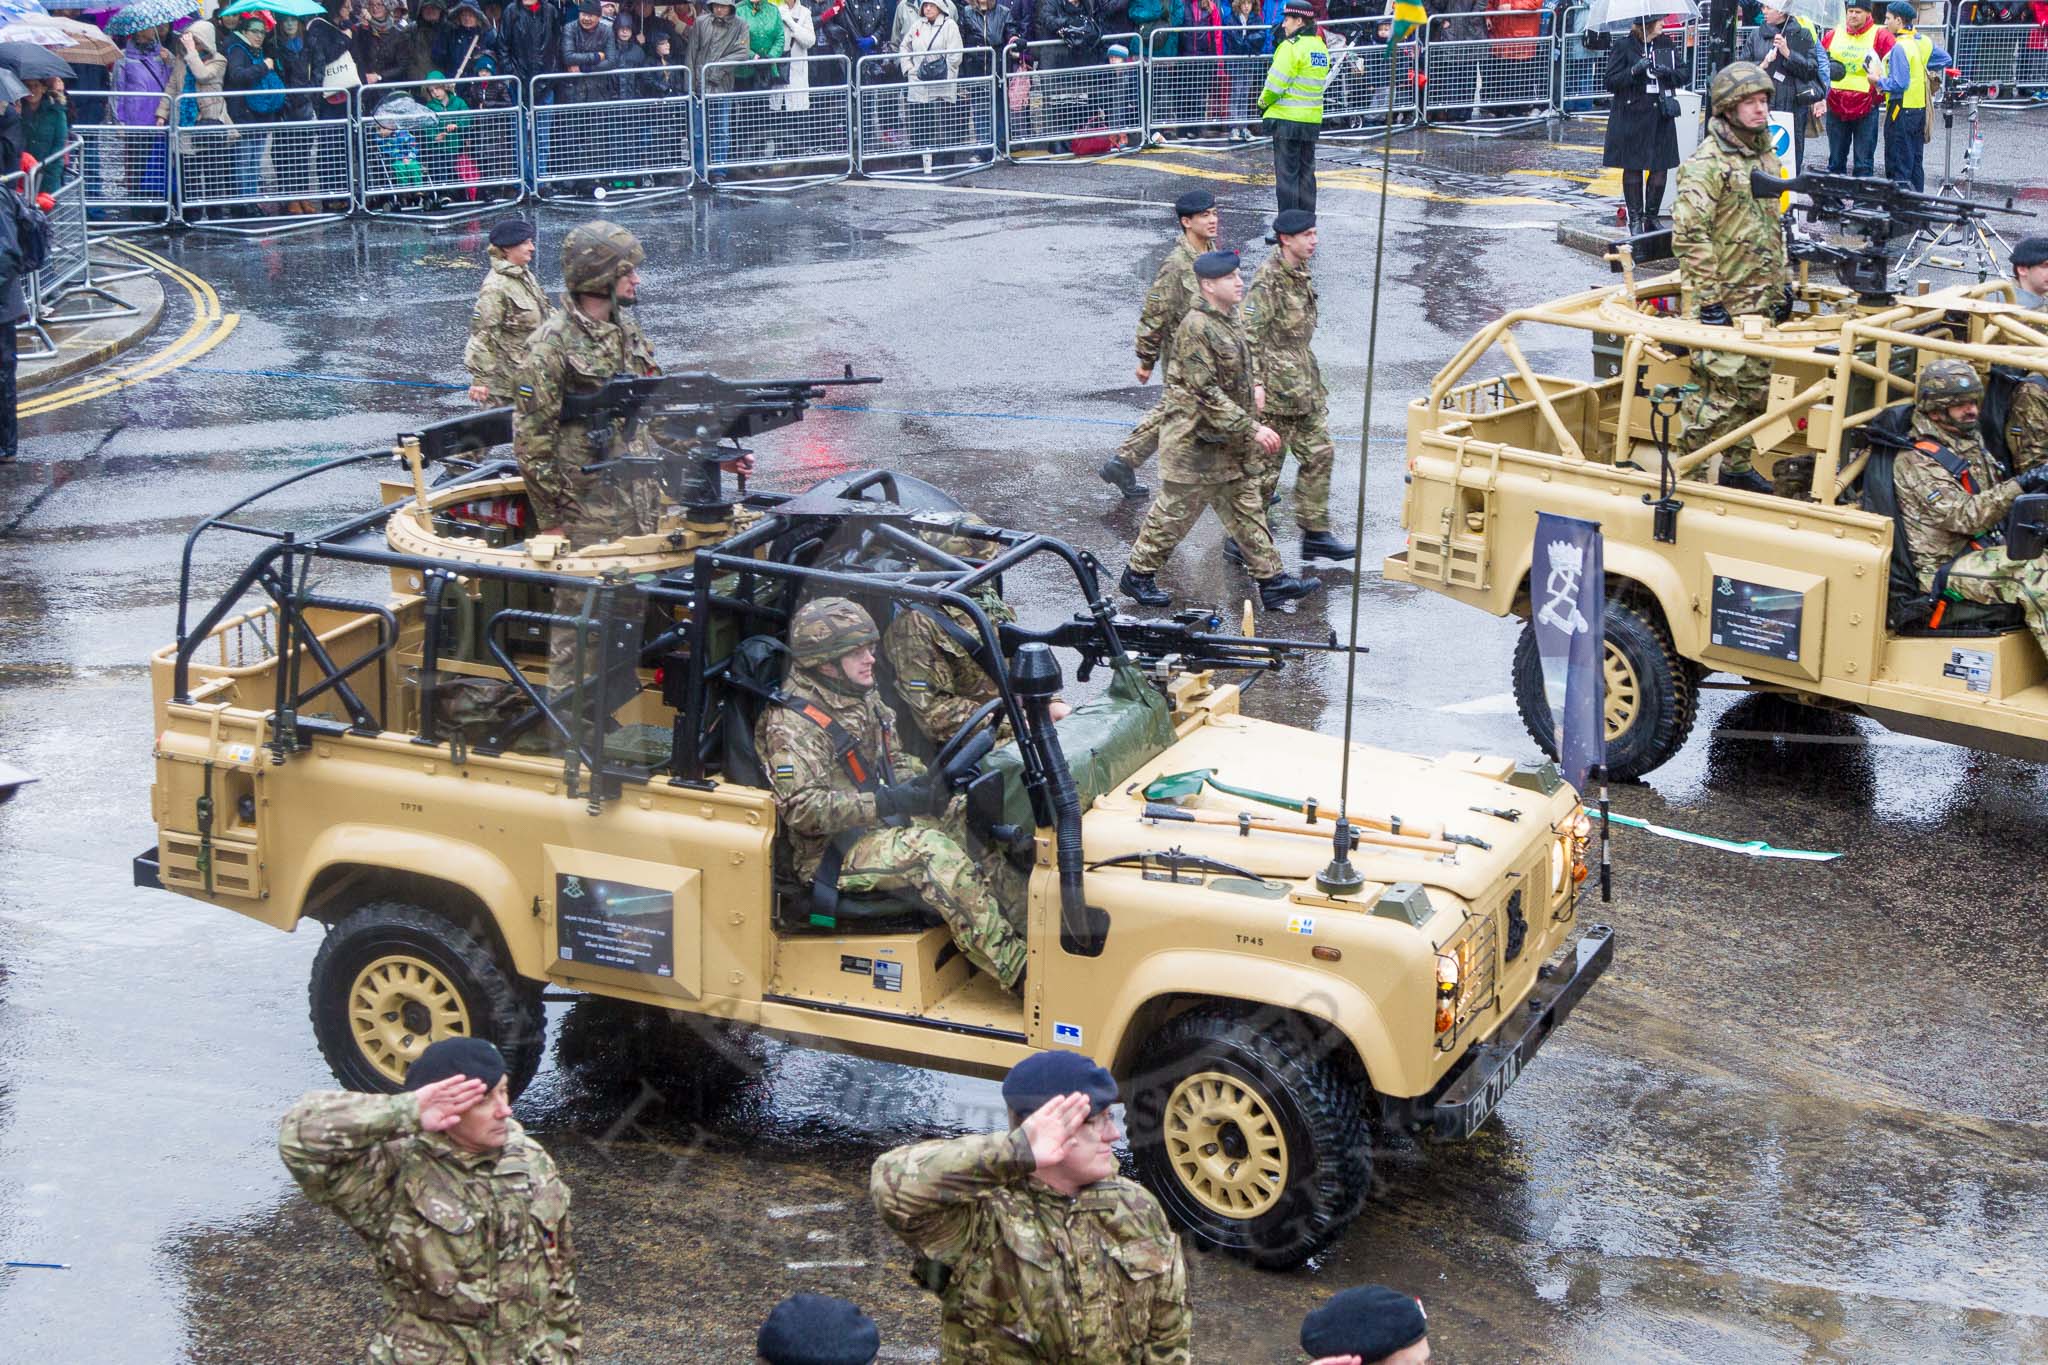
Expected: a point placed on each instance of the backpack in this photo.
(32, 231)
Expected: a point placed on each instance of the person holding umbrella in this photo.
(140, 79)
(1787, 47)
(1644, 67)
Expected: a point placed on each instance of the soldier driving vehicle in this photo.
(1821, 591)
(1165, 848)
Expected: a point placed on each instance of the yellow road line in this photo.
(208, 328)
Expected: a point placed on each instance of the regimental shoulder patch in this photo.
(526, 390)
(914, 684)
(785, 770)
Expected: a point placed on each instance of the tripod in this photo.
(1980, 245)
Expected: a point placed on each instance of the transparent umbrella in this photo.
(1615, 15)
(1823, 14)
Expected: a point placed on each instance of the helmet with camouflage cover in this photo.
(597, 255)
(1735, 82)
(830, 628)
(944, 532)
(1946, 382)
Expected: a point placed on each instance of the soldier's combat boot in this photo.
(1748, 480)
(1282, 590)
(1144, 589)
(1323, 545)
(1125, 478)
(1232, 551)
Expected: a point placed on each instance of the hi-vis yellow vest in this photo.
(1918, 50)
(1294, 84)
(1851, 49)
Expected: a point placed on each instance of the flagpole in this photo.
(1340, 878)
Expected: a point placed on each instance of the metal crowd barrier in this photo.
(127, 176)
(2014, 57)
(56, 290)
(259, 162)
(1361, 68)
(757, 126)
(927, 129)
(413, 162)
(1581, 71)
(1484, 78)
(1213, 94)
(1052, 107)
(608, 136)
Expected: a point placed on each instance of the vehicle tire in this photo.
(391, 978)
(1252, 1136)
(1652, 694)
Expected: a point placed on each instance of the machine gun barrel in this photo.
(724, 409)
(1872, 194)
(1188, 640)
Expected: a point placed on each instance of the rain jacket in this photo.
(763, 19)
(531, 38)
(201, 74)
(140, 79)
(714, 40)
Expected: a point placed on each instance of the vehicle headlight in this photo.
(1450, 972)
(1568, 852)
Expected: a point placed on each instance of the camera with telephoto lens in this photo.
(1957, 92)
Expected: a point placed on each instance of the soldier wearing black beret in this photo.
(1166, 303)
(2030, 271)
(1369, 1325)
(817, 1329)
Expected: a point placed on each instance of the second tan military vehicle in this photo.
(359, 735)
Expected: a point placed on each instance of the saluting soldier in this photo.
(1039, 1250)
(465, 1215)
(1731, 261)
(510, 307)
(1166, 303)
(1280, 320)
(1210, 446)
(862, 814)
(1953, 502)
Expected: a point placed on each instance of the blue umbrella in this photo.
(147, 14)
(20, 9)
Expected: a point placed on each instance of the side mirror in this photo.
(2026, 527)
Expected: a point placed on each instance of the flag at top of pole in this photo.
(1409, 15)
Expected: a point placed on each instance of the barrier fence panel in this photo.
(752, 120)
(943, 127)
(1476, 70)
(1088, 110)
(255, 153)
(1581, 70)
(127, 175)
(2014, 57)
(70, 239)
(1356, 98)
(606, 135)
(1206, 80)
(416, 160)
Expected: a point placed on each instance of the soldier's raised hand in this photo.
(443, 1103)
(1053, 1125)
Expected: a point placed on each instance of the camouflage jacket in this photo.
(937, 675)
(473, 1248)
(1730, 247)
(1942, 518)
(1205, 435)
(815, 796)
(570, 353)
(1280, 321)
(509, 307)
(1035, 1275)
(2026, 425)
(1172, 293)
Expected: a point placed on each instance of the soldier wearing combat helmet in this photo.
(1731, 260)
(865, 816)
(1952, 501)
(593, 338)
(1039, 1250)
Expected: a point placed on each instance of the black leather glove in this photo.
(921, 795)
(1714, 315)
(1640, 69)
(1783, 312)
(2033, 480)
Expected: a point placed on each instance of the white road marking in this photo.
(824, 1265)
(799, 1210)
(1498, 704)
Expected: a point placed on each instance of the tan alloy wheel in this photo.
(397, 1006)
(1624, 693)
(1225, 1145)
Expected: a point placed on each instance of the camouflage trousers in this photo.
(1176, 507)
(1307, 436)
(981, 903)
(1732, 390)
(408, 1339)
(1144, 438)
(1989, 577)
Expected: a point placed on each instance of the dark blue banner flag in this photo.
(1568, 601)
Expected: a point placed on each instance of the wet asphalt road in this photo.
(1801, 1119)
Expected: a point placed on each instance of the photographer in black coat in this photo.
(1644, 67)
(1800, 70)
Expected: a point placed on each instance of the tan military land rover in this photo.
(359, 732)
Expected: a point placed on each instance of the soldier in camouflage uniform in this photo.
(2026, 422)
(509, 308)
(1952, 501)
(1731, 261)
(593, 338)
(1044, 1252)
(1280, 321)
(464, 1213)
(844, 789)
(1210, 446)
(1172, 293)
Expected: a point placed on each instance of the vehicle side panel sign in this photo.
(1757, 617)
(615, 924)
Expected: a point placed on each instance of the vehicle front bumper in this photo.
(1458, 1108)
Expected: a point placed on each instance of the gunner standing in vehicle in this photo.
(1731, 261)
(862, 814)
(1952, 501)
(1172, 293)
(510, 307)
